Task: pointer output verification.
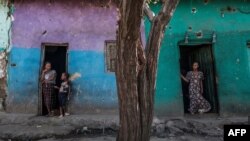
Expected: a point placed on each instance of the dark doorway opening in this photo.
(56, 54)
(203, 54)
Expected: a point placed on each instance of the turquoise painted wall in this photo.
(230, 51)
(4, 25)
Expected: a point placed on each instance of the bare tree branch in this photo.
(156, 34)
(148, 12)
(160, 21)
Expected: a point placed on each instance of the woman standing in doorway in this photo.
(197, 102)
(48, 80)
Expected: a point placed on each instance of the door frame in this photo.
(42, 57)
(211, 46)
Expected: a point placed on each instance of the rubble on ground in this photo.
(24, 127)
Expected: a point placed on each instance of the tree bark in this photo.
(136, 68)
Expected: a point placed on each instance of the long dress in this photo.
(48, 89)
(197, 101)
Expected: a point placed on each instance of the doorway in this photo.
(56, 54)
(202, 54)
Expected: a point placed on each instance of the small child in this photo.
(63, 93)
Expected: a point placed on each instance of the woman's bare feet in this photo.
(201, 111)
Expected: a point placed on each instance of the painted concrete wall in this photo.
(81, 24)
(85, 27)
(230, 52)
(4, 25)
(4, 45)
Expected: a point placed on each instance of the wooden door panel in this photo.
(203, 55)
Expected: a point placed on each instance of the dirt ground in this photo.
(108, 138)
(26, 127)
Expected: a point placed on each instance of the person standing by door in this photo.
(197, 102)
(48, 79)
(64, 90)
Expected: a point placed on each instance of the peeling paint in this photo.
(5, 24)
(2, 65)
(3, 83)
(5, 46)
(5, 27)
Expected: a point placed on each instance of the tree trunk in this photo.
(136, 68)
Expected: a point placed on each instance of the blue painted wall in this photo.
(93, 92)
(96, 88)
(23, 72)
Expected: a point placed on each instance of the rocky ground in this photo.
(25, 127)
